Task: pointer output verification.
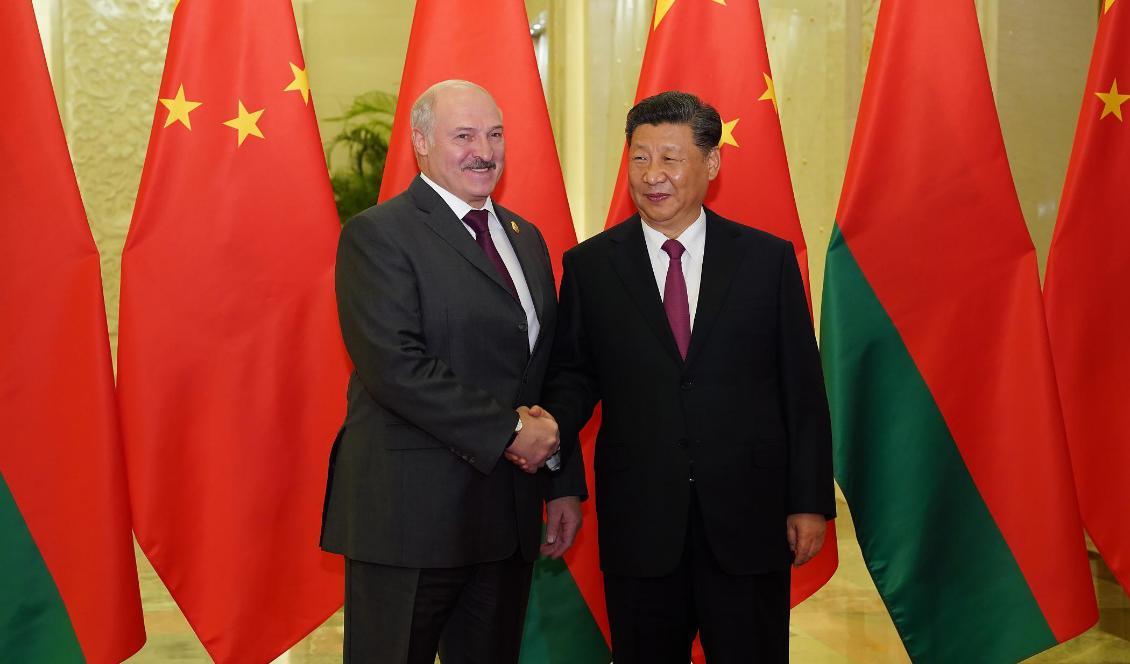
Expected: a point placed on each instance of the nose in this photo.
(482, 147)
(654, 174)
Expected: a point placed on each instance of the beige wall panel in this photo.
(1043, 50)
(112, 56)
(353, 46)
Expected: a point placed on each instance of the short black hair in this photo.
(675, 107)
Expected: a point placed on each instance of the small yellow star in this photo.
(664, 6)
(728, 133)
(301, 83)
(1112, 101)
(245, 123)
(770, 93)
(176, 3)
(1107, 4)
(179, 108)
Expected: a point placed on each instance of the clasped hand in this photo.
(536, 442)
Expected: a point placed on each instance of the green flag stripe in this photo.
(941, 564)
(34, 625)
(560, 628)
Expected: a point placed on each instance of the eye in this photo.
(496, 134)
(463, 136)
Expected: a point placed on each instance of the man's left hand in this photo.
(563, 519)
(806, 536)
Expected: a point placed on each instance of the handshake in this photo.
(537, 441)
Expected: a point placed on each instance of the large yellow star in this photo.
(770, 93)
(664, 6)
(179, 108)
(245, 123)
(1112, 101)
(301, 83)
(1107, 4)
(728, 133)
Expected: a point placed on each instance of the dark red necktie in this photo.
(478, 221)
(675, 301)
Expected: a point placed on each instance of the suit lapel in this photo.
(530, 256)
(720, 259)
(445, 224)
(632, 264)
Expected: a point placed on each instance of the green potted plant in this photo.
(365, 133)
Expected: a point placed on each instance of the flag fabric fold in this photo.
(66, 552)
(949, 439)
(232, 369)
(1086, 264)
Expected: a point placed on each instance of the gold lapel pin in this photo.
(514, 227)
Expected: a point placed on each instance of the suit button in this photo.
(523, 327)
(687, 385)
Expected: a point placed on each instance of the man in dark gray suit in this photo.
(448, 307)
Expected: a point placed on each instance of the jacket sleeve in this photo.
(571, 388)
(805, 402)
(379, 309)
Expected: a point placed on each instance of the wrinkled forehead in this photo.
(466, 107)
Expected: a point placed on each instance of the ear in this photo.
(713, 163)
(419, 142)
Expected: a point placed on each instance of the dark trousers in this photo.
(741, 619)
(401, 615)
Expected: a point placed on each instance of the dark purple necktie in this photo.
(675, 301)
(478, 220)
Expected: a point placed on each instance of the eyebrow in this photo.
(458, 129)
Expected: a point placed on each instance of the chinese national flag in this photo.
(67, 577)
(1087, 264)
(730, 71)
(232, 371)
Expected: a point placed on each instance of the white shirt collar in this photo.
(693, 238)
(458, 205)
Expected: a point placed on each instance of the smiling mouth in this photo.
(656, 198)
(481, 166)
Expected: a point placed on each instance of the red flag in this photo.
(948, 435)
(232, 368)
(1088, 262)
(66, 553)
(730, 71)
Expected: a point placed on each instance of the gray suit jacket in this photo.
(441, 358)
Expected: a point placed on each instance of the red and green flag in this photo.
(730, 71)
(1088, 262)
(566, 608)
(67, 573)
(949, 440)
(232, 368)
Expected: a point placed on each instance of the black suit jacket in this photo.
(442, 358)
(745, 415)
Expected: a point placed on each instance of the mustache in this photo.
(479, 162)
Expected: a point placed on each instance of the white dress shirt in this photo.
(505, 250)
(693, 239)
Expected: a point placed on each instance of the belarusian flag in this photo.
(68, 582)
(1088, 263)
(949, 440)
(232, 369)
(729, 70)
(560, 623)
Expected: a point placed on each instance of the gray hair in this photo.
(423, 109)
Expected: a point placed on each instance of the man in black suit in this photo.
(447, 308)
(713, 460)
